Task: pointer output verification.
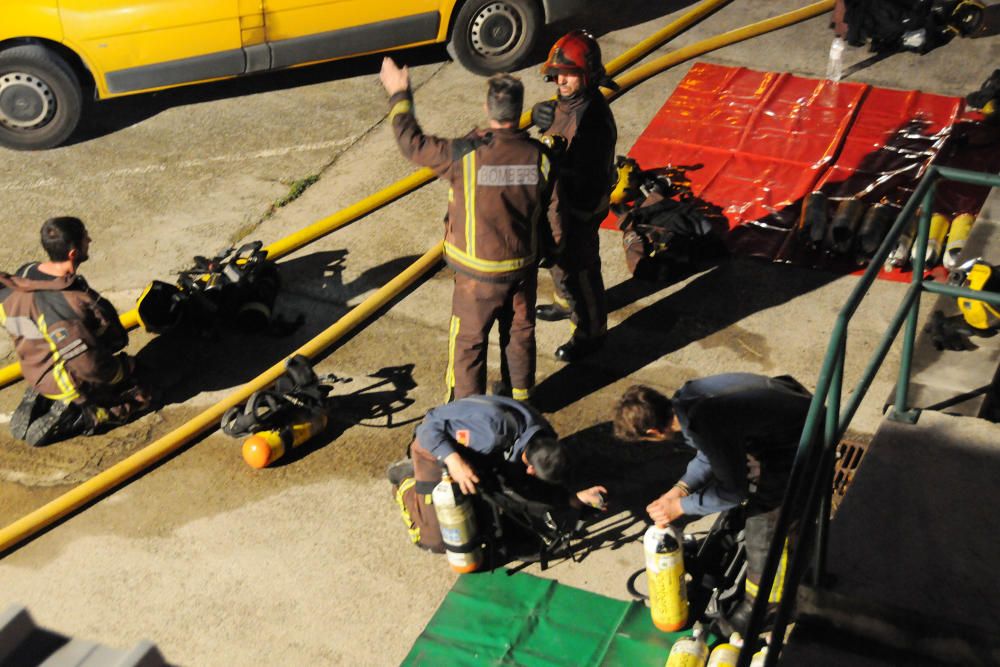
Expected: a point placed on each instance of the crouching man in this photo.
(68, 339)
(745, 430)
(475, 437)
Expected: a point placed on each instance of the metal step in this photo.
(912, 548)
(959, 382)
(25, 644)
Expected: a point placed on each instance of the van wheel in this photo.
(40, 98)
(495, 35)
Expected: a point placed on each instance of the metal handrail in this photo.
(811, 477)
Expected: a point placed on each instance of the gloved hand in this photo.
(542, 114)
(949, 333)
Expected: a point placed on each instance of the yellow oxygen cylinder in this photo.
(458, 526)
(265, 447)
(758, 658)
(689, 651)
(665, 577)
(936, 235)
(625, 187)
(961, 227)
(727, 654)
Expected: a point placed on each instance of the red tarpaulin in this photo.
(765, 140)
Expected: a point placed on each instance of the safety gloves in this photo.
(542, 114)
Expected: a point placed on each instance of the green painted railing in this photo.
(810, 484)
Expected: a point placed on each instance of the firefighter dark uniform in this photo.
(67, 337)
(500, 184)
(580, 200)
(745, 429)
(490, 431)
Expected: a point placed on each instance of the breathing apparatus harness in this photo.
(657, 208)
(977, 318)
(297, 394)
(237, 285)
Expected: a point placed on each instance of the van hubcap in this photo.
(496, 29)
(25, 101)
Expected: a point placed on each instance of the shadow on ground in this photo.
(186, 362)
(708, 304)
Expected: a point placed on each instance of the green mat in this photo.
(503, 619)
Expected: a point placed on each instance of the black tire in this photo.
(40, 98)
(491, 36)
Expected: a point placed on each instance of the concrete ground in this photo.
(307, 562)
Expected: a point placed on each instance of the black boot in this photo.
(63, 420)
(32, 406)
(738, 618)
(398, 471)
(578, 348)
(552, 312)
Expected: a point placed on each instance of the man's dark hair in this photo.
(505, 98)
(640, 409)
(548, 456)
(60, 235)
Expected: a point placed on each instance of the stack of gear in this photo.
(236, 286)
(856, 231)
(279, 419)
(979, 276)
(666, 228)
(977, 317)
(915, 25)
(986, 97)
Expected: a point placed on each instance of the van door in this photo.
(145, 44)
(305, 31)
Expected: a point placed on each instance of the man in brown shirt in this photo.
(67, 338)
(500, 183)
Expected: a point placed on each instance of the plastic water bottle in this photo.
(835, 65)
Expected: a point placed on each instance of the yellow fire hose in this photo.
(653, 67)
(208, 419)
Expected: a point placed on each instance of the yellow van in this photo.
(51, 51)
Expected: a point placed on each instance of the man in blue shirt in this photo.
(473, 437)
(745, 430)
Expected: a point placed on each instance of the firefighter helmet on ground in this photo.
(576, 52)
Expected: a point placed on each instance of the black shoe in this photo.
(32, 406)
(63, 420)
(398, 471)
(552, 312)
(500, 388)
(738, 618)
(578, 348)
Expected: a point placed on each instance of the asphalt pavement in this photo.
(308, 562)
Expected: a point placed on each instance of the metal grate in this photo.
(850, 452)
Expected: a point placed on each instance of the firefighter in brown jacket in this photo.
(499, 193)
(67, 337)
(580, 200)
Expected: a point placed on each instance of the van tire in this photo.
(41, 100)
(491, 36)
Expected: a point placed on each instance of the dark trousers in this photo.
(476, 305)
(578, 282)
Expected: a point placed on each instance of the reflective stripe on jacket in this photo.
(500, 183)
(65, 334)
